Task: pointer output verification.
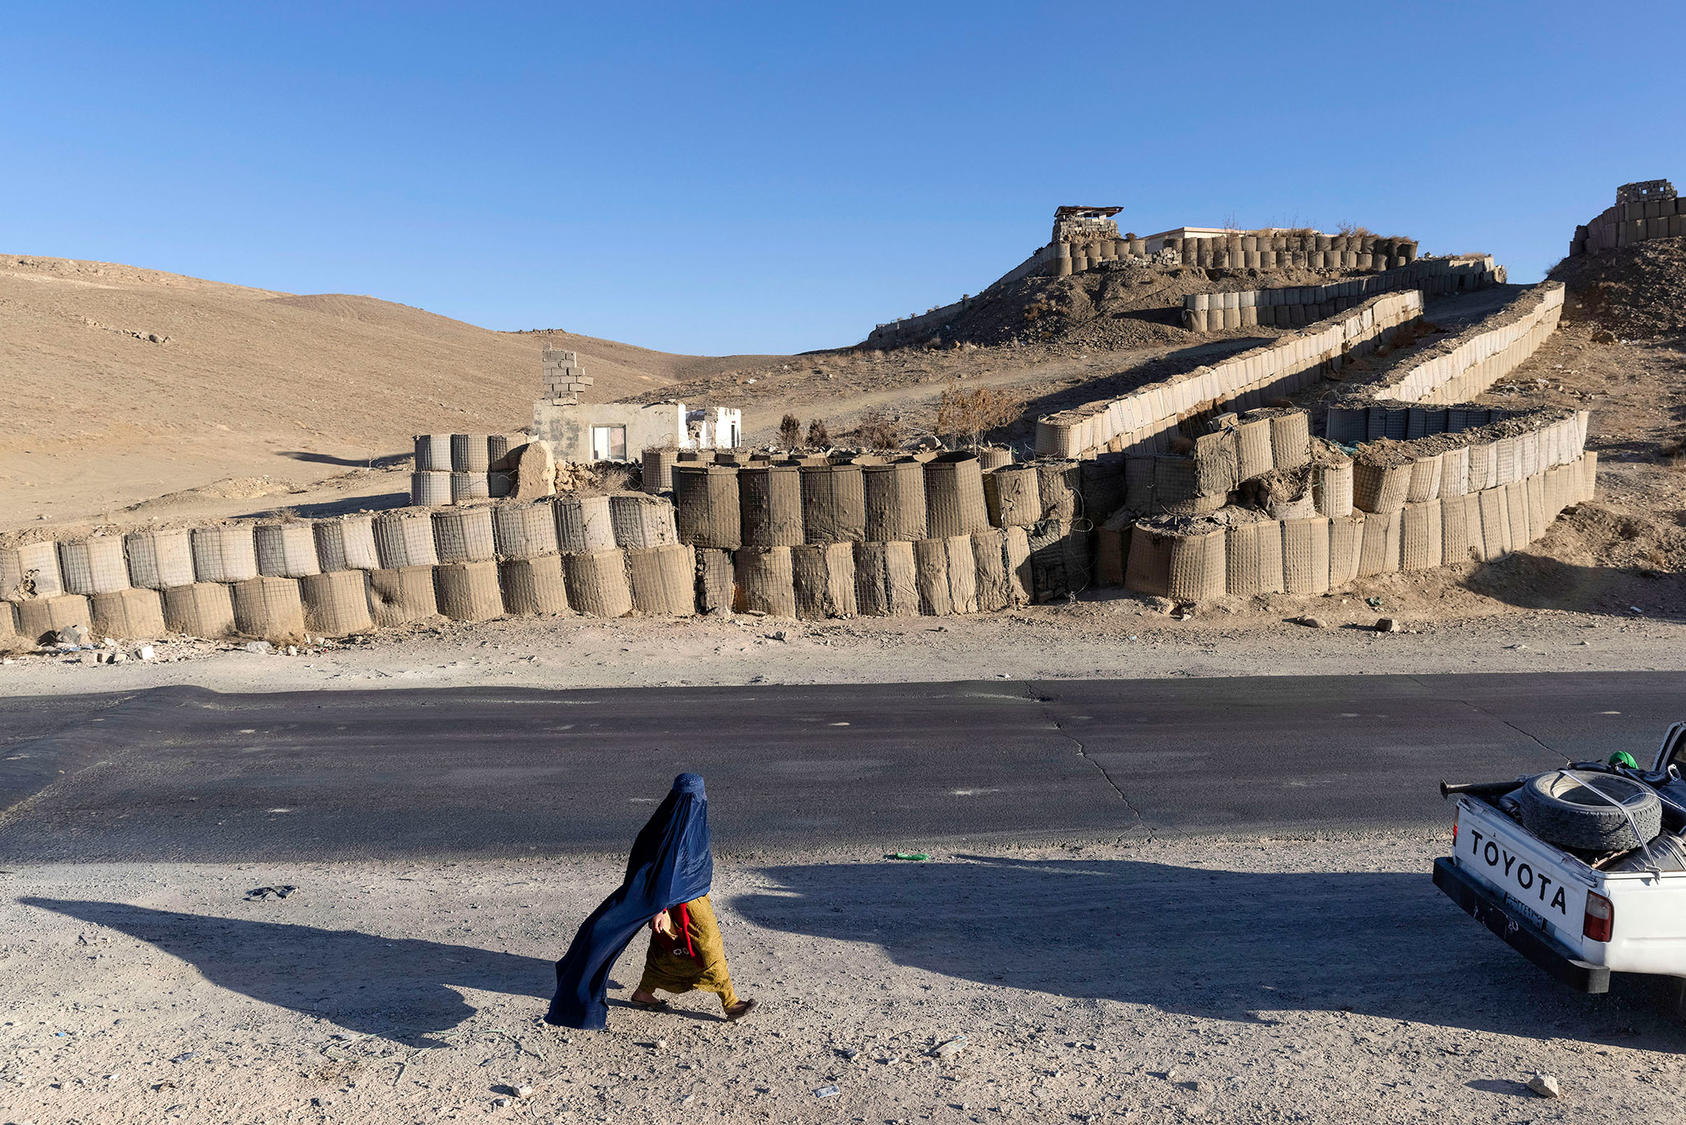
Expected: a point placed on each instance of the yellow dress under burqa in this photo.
(692, 955)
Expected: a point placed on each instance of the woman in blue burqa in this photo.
(666, 888)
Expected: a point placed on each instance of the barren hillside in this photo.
(125, 383)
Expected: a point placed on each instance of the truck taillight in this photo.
(1600, 918)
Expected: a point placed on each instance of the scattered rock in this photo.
(827, 1092)
(281, 891)
(949, 1048)
(1159, 605)
(1309, 622)
(1545, 1086)
(72, 635)
(1183, 611)
(262, 648)
(523, 1092)
(1387, 625)
(501, 1103)
(145, 652)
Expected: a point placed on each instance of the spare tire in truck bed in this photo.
(1562, 808)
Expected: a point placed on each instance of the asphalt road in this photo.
(187, 774)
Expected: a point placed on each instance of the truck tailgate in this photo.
(1522, 933)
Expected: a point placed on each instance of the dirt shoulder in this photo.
(1240, 980)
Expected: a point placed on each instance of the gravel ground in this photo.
(1256, 980)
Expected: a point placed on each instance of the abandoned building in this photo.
(579, 433)
(1644, 210)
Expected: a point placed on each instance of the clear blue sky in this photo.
(776, 177)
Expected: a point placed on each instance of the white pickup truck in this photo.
(1581, 870)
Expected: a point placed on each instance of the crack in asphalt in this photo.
(1034, 696)
(1529, 735)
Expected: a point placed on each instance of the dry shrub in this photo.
(818, 436)
(790, 431)
(964, 415)
(878, 431)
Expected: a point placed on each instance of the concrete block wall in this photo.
(1296, 306)
(563, 377)
(1144, 420)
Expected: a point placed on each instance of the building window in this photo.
(608, 443)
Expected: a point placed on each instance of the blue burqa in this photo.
(670, 863)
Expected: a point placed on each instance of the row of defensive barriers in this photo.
(1193, 487)
(1297, 305)
(1148, 418)
(1411, 476)
(483, 575)
(474, 564)
(335, 577)
(1256, 250)
(1239, 552)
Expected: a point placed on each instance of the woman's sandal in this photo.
(740, 1010)
(649, 1005)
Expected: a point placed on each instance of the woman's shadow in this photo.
(402, 989)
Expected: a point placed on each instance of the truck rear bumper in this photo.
(1489, 908)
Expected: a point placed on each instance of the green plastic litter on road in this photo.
(908, 855)
(1623, 758)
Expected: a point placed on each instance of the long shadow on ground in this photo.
(1217, 944)
(1538, 581)
(398, 988)
(385, 461)
(327, 509)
